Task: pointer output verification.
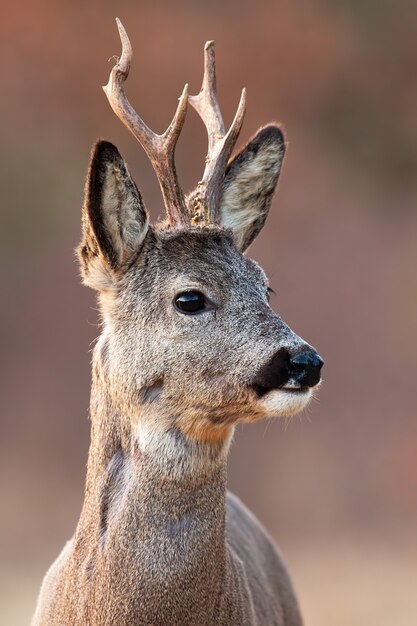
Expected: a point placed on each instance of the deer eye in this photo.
(190, 302)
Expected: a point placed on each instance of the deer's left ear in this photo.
(114, 218)
(249, 183)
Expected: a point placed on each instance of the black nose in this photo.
(296, 369)
(304, 367)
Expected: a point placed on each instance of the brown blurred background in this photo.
(337, 487)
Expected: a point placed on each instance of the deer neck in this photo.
(137, 439)
(124, 457)
(154, 511)
(121, 460)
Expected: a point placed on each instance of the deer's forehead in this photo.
(202, 255)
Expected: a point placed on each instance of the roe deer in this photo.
(189, 348)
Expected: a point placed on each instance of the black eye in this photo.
(190, 302)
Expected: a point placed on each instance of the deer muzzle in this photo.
(288, 370)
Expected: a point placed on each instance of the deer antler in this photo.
(159, 148)
(220, 144)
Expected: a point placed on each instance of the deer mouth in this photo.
(296, 390)
(263, 391)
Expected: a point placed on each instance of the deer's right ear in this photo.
(114, 218)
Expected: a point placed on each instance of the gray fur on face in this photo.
(203, 365)
(197, 369)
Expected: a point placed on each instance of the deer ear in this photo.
(114, 219)
(249, 184)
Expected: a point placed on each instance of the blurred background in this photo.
(336, 487)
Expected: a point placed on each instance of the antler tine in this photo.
(220, 144)
(211, 116)
(160, 149)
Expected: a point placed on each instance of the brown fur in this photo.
(158, 541)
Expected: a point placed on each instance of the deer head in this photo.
(189, 342)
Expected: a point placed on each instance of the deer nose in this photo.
(289, 370)
(304, 367)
